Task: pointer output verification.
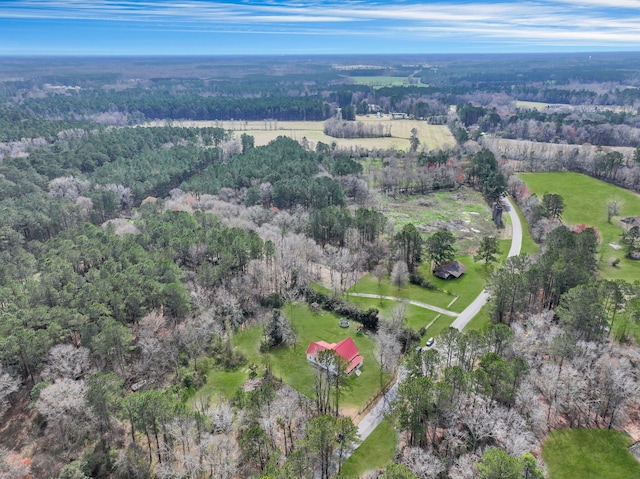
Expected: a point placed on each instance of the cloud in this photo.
(583, 22)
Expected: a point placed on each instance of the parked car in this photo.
(430, 342)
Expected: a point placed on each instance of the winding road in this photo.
(373, 418)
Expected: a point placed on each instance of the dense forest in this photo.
(135, 259)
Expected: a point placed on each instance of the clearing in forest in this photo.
(290, 362)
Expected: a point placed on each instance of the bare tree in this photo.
(399, 274)
(8, 385)
(614, 206)
(63, 404)
(424, 464)
(388, 352)
(67, 361)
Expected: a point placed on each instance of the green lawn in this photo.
(480, 320)
(369, 284)
(416, 317)
(589, 454)
(290, 363)
(585, 203)
(375, 452)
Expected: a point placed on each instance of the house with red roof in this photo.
(346, 349)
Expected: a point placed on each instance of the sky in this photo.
(315, 27)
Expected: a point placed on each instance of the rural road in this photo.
(376, 415)
(516, 244)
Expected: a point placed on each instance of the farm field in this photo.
(589, 454)
(382, 81)
(585, 203)
(433, 137)
(290, 363)
(536, 105)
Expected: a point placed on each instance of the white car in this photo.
(430, 342)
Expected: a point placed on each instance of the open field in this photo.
(540, 106)
(586, 203)
(536, 105)
(433, 137)
(589, 454)
(290, 363)
(463, 211)
(375, 452)
(382, 81)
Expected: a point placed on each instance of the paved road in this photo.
(376, 415)
(516, 244)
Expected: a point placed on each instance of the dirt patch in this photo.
(16, 421)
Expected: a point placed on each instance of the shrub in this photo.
(368, 318)
(419, 280)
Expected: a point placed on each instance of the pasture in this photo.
(432, 137)
(589, 454)
(586, 201)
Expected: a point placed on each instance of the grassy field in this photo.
(290, 363)
(533, 105)
(585, 203)
(375, 452)
(382, 81)
(480, 320)
(369, 284)
(416, 317)
(464, 208)
(434, 137)
(589, 454)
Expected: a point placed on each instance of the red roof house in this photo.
(346, 349)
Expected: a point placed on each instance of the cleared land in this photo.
(382, 81)
(589, 454)
(586, 201)
(290, 363)
(433, 137)
(464, 212)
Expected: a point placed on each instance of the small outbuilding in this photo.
(450, 270)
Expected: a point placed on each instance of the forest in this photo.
(159, 283)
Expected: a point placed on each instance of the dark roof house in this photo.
(449, 270)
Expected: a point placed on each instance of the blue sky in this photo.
(199, 27)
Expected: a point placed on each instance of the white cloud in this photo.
(585, 22)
